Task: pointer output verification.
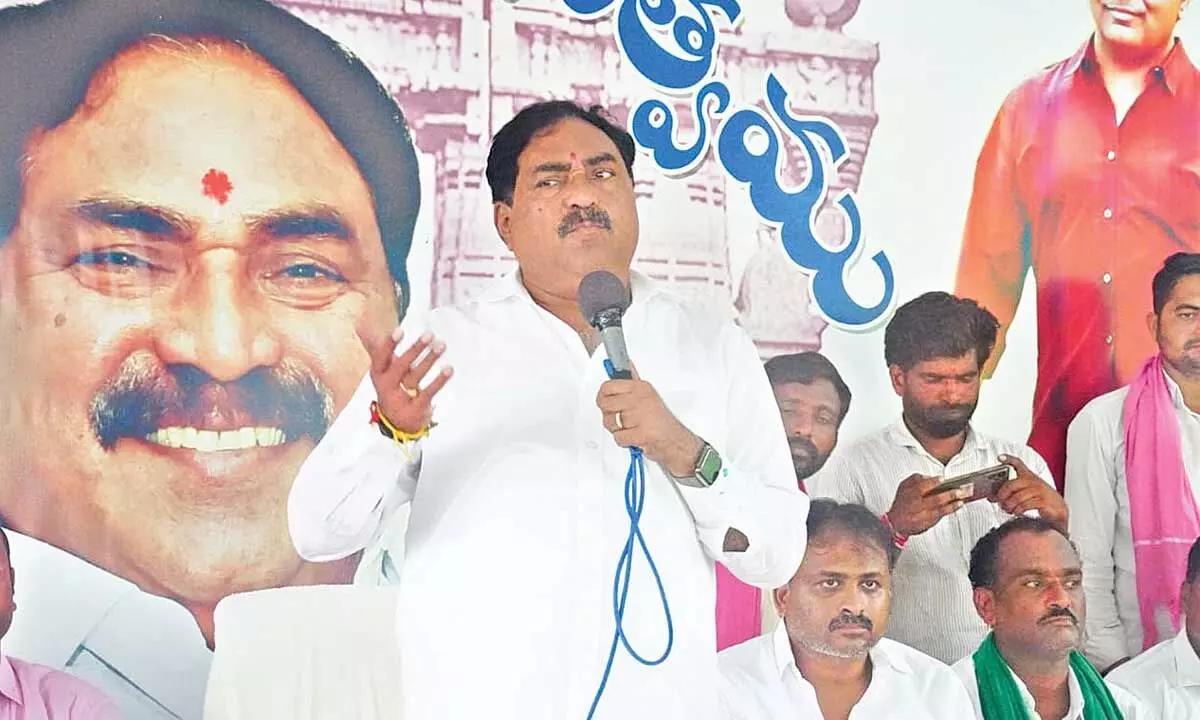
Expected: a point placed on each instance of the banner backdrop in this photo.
(187, 253)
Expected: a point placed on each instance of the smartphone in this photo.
(981, 483)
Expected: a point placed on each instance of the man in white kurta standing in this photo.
(518, 515)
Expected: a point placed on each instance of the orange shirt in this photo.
(1093, 208)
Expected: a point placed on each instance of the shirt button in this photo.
(1112, 155)
(1108, 340)
(1107, 213)
(1107, 278)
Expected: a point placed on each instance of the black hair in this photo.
(1176, 268)
(938, 325)
(50, 52)
(985, 556)
(827, 516)
(530, 122)
(1193, 563)
(806, 368)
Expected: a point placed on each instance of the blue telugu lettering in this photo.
(696, 38)
(653, 126)
(795, 211)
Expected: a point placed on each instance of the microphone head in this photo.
(601, 291)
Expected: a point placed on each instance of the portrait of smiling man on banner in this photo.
(201, 203)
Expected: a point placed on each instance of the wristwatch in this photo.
(708, 466)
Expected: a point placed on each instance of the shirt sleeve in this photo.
(756, 492)
(1092, 507)
(350, 484)
(994, 259)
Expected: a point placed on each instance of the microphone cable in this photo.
(635, 500)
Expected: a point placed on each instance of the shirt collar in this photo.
(1176, 393)
(902, 436)
(1075, 709)
(881, 655)
(1187, 665)
(511, 286)
(8, 682)
(1174, 72)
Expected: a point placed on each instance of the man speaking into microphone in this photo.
(517, 481)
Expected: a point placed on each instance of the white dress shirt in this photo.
(932, 609)
(518, 518)
(1131, 707)
(760, 681)
(144, 652)
(1098, 500)
(1166, 678)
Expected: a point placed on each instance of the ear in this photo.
(1152, 323)
(502, 219)
(898, 380)
(780, 596)
(985, 605)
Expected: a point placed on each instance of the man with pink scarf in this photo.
(1133, 464)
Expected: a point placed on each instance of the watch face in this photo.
(709, 465)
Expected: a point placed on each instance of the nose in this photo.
(1057, 597)
(798, 424)
(215, 322)
(580, 192)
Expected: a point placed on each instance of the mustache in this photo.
(145, 395)
(803, 443)
(1056, 613)
(575, 218)
(849, 619)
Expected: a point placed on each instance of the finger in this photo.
(924, 484)
(381, 348)
(613, 403)
(950, 508)
(615, 388)
(414, 376)
(1014, 486)
(438, 383)
(1029, 497)
(625, 438)
(1017, 464)
(947, 497)
(406, 359)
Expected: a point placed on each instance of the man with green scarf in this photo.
(1028, 588)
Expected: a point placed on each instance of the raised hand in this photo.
(397, 378)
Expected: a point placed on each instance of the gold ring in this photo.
(617, 417)
(407, 391)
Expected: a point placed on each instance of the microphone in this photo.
(603, 299)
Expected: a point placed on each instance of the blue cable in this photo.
(635, 500)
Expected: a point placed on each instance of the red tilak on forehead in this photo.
(216, 185)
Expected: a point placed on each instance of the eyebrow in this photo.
(123, 214)
(307, 222)
(1186, 306)
(600, 159)
(287, 224)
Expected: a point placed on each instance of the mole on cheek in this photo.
(60, 320)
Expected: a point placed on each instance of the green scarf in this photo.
(999, 698)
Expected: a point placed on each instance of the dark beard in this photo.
(939, 421)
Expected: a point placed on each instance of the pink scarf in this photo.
(1162, 508)
(739, 610)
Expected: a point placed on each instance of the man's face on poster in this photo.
(178, 311)
(1137, 24)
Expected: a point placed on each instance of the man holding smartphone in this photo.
(935, 347)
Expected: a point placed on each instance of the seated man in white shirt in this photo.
(520, 487)
(1145, 435)
(1028, 587)
(1167, 676)
(935, 347)
(828, 657)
